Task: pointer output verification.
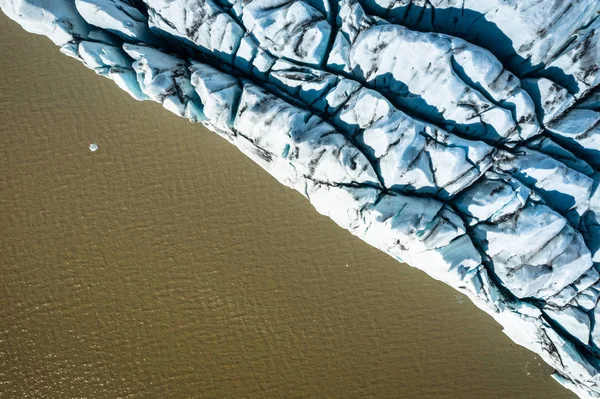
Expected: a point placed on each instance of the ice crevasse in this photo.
(461, 137)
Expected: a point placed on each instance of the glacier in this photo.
(461, 137)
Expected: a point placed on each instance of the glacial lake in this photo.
(166, 264)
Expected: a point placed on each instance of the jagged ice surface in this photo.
(460, 137)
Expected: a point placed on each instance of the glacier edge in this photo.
(337, 104)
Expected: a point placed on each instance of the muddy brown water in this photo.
(168, 265)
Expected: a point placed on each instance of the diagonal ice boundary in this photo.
(459, 136)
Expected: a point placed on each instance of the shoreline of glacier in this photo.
(334, 155)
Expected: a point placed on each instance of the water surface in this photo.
(167, 265)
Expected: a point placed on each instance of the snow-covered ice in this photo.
(459, 136)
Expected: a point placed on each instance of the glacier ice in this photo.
(459, 136)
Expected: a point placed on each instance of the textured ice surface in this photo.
(458, 136)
